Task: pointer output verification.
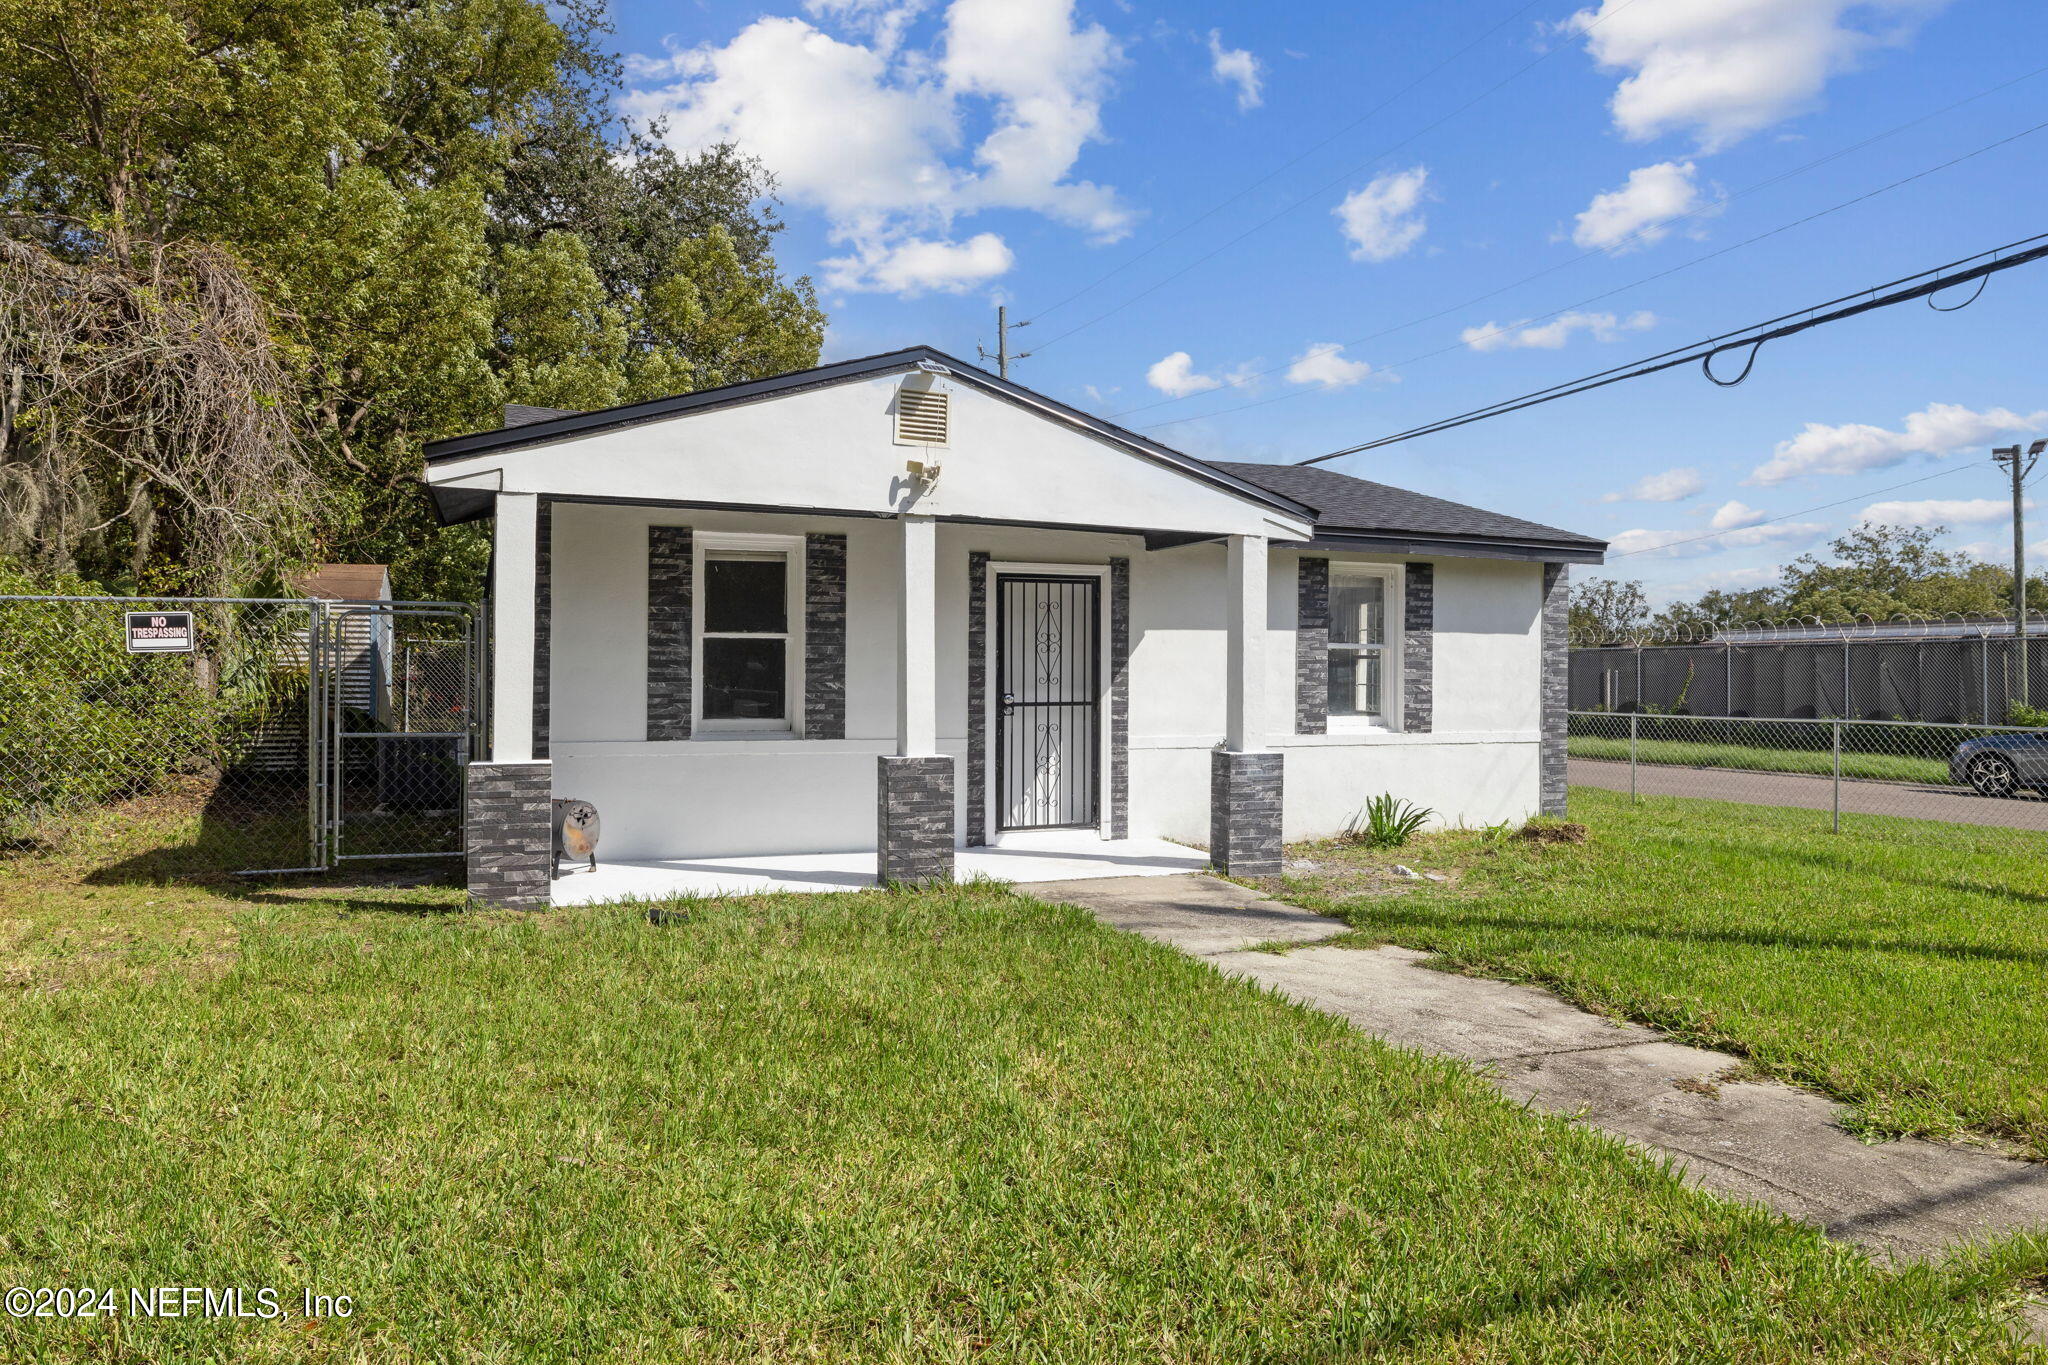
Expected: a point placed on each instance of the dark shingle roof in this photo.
(525, 415)
(1349, 505)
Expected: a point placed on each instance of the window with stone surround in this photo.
(1365, 653)
(749, 614)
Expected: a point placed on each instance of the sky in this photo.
(1269, 232)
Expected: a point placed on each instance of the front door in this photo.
(1047, 732)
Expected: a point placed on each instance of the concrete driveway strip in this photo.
(1860, 796)
(1761, 1141)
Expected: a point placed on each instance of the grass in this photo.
(1689, 753)
(1901, 966)
(893, 1127)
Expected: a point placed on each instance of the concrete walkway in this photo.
(1760, 1141)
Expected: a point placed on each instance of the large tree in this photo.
(1604, 609)
(1885, 571)
(433, 205)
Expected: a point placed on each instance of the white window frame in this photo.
(1391, 577)
(710, 545)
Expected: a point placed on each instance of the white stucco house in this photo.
(900, 606)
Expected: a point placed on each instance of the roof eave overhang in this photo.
(1463, 547)
(759, 390)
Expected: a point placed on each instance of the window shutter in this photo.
(1312, 647)
(824, 637)
(669, 567)
(1418, 649)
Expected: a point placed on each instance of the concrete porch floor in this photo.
(1039, 856)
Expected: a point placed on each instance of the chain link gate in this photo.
(396, 688)
(201, 736)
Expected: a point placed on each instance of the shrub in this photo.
(1389, 822)
(2019, 713)
(82, 721)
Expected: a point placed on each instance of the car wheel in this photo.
(1992, 775)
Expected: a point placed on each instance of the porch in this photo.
(1036, 856)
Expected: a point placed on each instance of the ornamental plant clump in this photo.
(1390, 822)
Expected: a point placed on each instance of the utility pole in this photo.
(2019, 467)
(1002, 356)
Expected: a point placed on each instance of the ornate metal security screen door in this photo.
(1047, 730)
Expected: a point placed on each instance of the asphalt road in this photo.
(1914, 800)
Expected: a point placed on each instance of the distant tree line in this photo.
(1876, 571)
(254, 254)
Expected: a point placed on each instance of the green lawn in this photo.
(1689, 753)
(1902, 966)
(923, 1127)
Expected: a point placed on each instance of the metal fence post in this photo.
(1838, 776)
(1634, 720)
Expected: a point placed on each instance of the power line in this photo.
(1931, 282)
(1802, 512)
(1286, 165)
(1239, 381)
(1324, 188)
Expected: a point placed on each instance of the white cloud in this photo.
(1632, 217)
(915, 265)
(1384, 219)
(1174, 375)
(1939, 429)
(882, 21)
(1549, 336)
(876, 137)
(2000, 552)
(1235, 66)
(1324, 363)
(1734, 516)
(1938, 512)
(1686, 543)
(1724, 69)
(1673, 485)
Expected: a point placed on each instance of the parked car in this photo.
(2002, 765)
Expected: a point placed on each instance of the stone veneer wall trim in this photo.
(977, 698)
(824, 636)
(1312, 646)
(1418, 648)
(914, 820)
(1556, 689)
(508, 833)
(670, 565)
(543, 623)
(1244, 812)
(1119, 698)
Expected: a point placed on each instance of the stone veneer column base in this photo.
(914, 820)
(508, 833)
(1244, 813)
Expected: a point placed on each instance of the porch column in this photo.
(508, 821)
(914, 786)
(1244, 776)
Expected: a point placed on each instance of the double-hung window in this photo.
(1363, 670)
(747, 647)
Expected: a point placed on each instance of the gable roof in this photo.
(525, 414)
(1361, 513)
(547, 430)
(346, 582)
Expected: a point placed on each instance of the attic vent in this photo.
(921, 417)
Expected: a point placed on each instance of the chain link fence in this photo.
(170, 737)
(1849, 773)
